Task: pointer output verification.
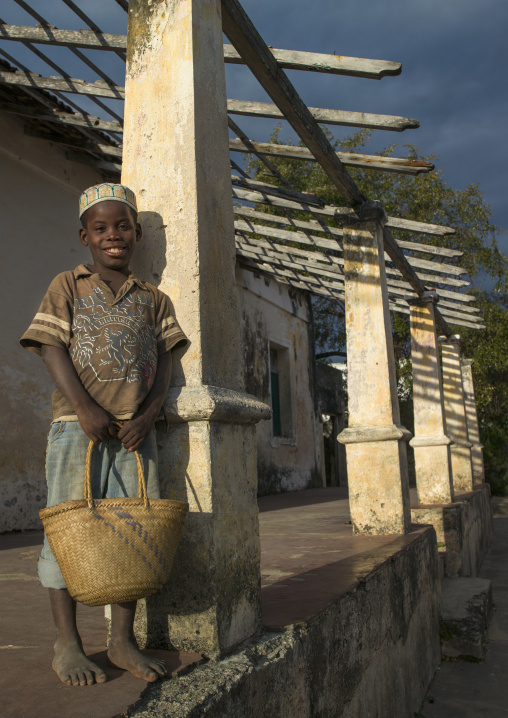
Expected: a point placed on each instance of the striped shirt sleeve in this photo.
(168, 332)
(52, 323)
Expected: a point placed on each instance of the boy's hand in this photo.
(97, 424)
(134, 432)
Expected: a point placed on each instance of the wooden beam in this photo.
(62, 84)
(348, 159)
(249, 44)
(328, 117)
(289, 59)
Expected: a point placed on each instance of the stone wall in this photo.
(39, 190)
(372, 652)
(277, 317)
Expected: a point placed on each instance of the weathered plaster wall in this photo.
(274, 313)
(464, 530)
(371, 653)
(39, 190)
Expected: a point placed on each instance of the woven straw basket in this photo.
(114, 550)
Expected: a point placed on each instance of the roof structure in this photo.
(303, 253)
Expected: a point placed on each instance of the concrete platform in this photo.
(466, 608)
(331, 603)
(479, 689)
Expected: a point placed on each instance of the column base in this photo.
(462, 469)
(477, 462)
(433, 471)
(378, 486)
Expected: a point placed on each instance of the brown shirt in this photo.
(113, 341)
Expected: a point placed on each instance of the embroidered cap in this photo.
(106, 191)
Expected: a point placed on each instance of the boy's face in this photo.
(111, 234)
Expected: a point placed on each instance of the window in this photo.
(280, 390)
(275, 390)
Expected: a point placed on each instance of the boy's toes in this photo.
(89, 678)
(100, 676)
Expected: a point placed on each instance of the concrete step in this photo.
(466, 608)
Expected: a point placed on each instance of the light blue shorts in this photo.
(114, 473)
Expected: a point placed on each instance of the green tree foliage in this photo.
(427, 198)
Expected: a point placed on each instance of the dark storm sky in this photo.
(454, 56)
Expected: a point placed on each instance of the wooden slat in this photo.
(100, 148)
(325, 116)
(304, 238)
(257, 186)
(62, 84)
(69, 38)
(249, 44)
(334, 264)
(287, 277)
(348, 159)
(310, 240)
(319, 62)
(63, 118)
(419, 227)
(289, 59)
(248, 247)
(321, 226)
(338, 213)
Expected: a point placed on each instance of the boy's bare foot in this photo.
(74, 668)
(125, 654)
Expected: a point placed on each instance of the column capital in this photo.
(212, 403)
(467, 362)
(423, 299)
(369, 211)
(452, 339)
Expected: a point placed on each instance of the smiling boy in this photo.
(106, 339)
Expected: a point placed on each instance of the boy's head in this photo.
(108, 215)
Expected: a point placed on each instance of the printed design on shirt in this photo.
(116, 341)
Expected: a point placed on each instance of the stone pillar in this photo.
(176, 159)
(430, 443)
(375, 440)
(455, 413)
(473, 428)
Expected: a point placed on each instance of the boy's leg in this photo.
(123, 481)
(70, 663)
(123, 650)
(65, 462)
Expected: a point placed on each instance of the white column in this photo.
(375, 440)
(455, 412)
(430, 442)
(176, 159)
(473, 428)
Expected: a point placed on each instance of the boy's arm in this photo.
(96, 423)
(136, 430)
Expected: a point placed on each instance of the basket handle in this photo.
(88, 481)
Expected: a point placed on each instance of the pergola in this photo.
(198, 221)
(413, 267)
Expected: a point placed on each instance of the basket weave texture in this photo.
(114, 550)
